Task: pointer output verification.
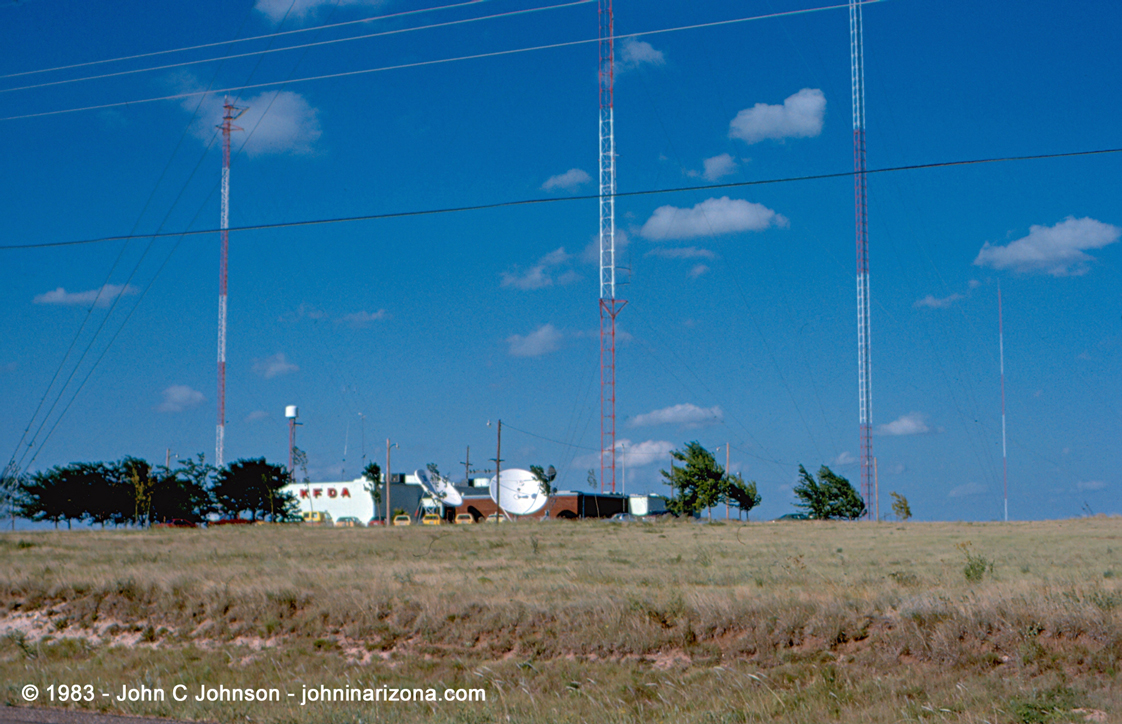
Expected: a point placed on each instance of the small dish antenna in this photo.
(519, 492)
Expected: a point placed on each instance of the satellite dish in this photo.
(518, 493)
(446, 493)
(439, 488)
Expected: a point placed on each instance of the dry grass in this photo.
(588, 621)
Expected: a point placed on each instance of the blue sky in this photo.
(740, 326)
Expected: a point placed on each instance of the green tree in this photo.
(138, 474)
(183, 493)
(900, 507)
(79, 491)
(740, 493)
(592, 478)
(372, 475)
(254, 486)
(696, 485)
(545, 478)
(829, 497)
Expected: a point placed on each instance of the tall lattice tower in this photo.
(231, 113)
(609, 305)
(864, 370)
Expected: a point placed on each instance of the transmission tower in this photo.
(231, 113)
(609, 305)
(864, 371)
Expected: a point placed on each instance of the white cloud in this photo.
(277, 10)
(698, 270)
(719, 166)
(364, 318)
(630, 454)
(274, 121)
(688, 252)
(1088, 486)
(684, 414)
(800, 116)
(543, 274)
(1056, 250)
(937, 303)
(634, 53)
(541, 341)
(274, 366)
(967, 490)
(710, 217)
(569, 180)
(914, 423)
(638, 454)
(256, 415)
(108, 293)
(304, 311)
(178, 398)
(846, 458)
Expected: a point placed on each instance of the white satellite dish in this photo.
(519, 492)
(446, 493)
(439, 488)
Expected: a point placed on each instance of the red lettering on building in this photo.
(331, 493)
(317, 492)
(346, 493)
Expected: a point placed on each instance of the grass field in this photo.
(581, 621)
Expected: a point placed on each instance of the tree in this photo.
(254, 486)
(545, 478)
(373, 483)
(79, 491)
(741, 494)
(183, 493)
(138, 473)
(697, 485)
(900, 506)
(829, 497)
(592, 478)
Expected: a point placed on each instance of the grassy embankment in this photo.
(583, 622)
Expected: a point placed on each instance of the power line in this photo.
(319, 43)
(424, 63)
(587, 197)
(241, 40)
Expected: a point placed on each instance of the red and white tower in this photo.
(230, 114)
(864, 369)
(609, 305)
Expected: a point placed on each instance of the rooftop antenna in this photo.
(1001, 353)
(609, 305)
(231, 113)
(864, 369)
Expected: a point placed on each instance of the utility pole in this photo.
(726, 476)
(499, 467)
(467, 467)
(389, 515)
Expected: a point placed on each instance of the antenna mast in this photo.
(230, 114)
(609, 305)
(1001, 352)
(864, 371)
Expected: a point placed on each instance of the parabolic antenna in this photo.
(445, 493)
(518, 493)
(438, 488)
